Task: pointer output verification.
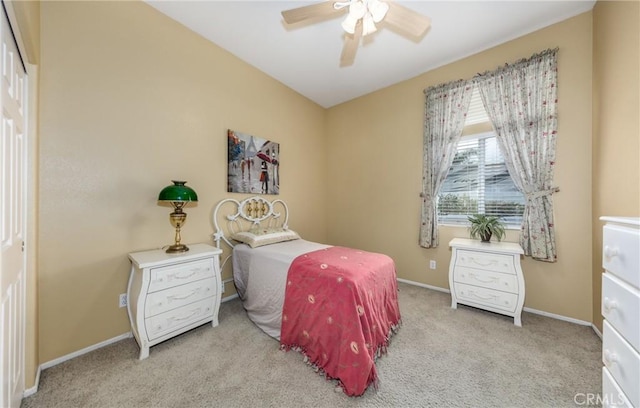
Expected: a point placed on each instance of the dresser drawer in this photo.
(486, 297)
(164, 323)
(165, 300)
(620, 306)
(612, 395)
(485, 261)
(622, 361)
(179, 274)
(486, 279)
(621, 253)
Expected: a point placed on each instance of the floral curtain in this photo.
(445, 111)
(520, 100)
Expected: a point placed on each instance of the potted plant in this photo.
(484, 226)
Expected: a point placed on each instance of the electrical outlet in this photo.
(432, 264)
(122, 300)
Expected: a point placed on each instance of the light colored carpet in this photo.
(440, 357)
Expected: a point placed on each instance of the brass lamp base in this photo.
(177, 219)
(176, 248)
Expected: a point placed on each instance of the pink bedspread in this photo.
(340, 309)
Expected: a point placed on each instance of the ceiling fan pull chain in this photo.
(338, 5)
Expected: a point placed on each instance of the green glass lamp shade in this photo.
(178, 195)
(178, 192)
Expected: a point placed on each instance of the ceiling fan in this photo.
(361, 20)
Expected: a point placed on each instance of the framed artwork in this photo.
(253, 164)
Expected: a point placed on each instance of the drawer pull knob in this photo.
(490, 280)
(610, 358)
(610, 252)
(609, 304)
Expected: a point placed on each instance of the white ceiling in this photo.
(305, 57)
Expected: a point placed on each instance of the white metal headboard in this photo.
(253, 211)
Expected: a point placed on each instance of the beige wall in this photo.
(375, 149)
(130, 100)
(616, 122)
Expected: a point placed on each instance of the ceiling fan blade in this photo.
(351, 43)
(406, 20)
(314, 10)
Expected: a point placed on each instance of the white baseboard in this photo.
(100, 345)
(423, 285)
(34, 389)
(526, 309)
(557, 316)
(75, 354)
(85, 350)
(595, 329)
(228, 298)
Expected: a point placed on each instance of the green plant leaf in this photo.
(482, 224)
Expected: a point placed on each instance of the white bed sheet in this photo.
(260, 276)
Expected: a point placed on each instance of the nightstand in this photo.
(487, 275)
(169, 294)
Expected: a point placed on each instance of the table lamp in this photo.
(178, 195)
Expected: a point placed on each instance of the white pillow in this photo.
(256, 237)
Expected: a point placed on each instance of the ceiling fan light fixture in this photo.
(378, 9)
(368, 25)
(357, 9)
(349, 24)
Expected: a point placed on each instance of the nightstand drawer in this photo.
(165, 300)
(486, 261)
(169, 276)
(178, 318)
(486, 297)
(486, 279)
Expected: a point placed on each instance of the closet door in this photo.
(13, 152)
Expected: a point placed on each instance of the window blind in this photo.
(477, 113)
(479, 183)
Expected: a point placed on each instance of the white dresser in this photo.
(487, 276)
(169, 294)
(621, 311)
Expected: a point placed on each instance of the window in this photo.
(478, 180)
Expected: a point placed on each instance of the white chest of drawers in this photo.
(487, 276)
(621, 311)
(169, 294)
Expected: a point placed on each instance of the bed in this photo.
(338, 306)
